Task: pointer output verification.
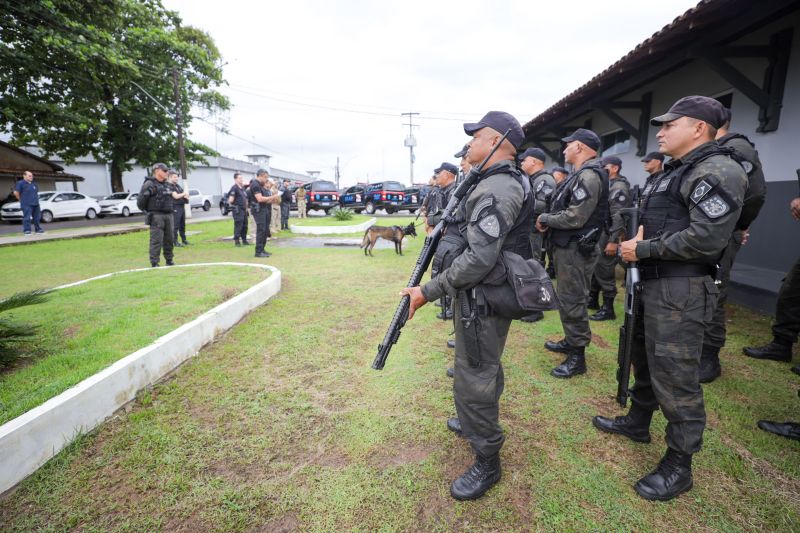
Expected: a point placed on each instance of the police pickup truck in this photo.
(321, 194)
(387, 195)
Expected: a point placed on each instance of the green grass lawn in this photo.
(282, 425)
(84, 329)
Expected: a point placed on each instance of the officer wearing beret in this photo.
(445, 176)
(577, 216)
(745, 152)
(605, 279)
(687, 220)
(497, 214)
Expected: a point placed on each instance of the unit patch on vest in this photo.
(714, 207)
(700, 191)
(663, 184)
(539, 187)
(580, 193)
(490, 225)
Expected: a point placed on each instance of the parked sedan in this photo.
(199, 200)
(56, 204)
(119, 203)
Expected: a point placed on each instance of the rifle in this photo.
(426, 256)
(633, 292)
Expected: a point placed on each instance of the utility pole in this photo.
(181, 150)
(337, 172)
(410, 142)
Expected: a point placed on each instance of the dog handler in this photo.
(497, 216)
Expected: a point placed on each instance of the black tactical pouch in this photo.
(517, 287)
(588, 242)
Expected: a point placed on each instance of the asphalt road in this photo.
(16, 227)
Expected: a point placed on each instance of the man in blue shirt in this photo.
(27, 192)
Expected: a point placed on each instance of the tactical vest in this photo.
(518, 239)
(160, 199)
(754, 198)
(562, 199)
(542, 192)
(665, 209)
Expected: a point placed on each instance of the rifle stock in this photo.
(400, 316)
(633, 291)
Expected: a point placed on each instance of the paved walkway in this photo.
(80, 233)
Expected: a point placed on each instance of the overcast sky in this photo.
(313, 80)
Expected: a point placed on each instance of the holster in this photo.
(470, 322)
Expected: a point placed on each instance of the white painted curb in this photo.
(331, 230)
(31, 439)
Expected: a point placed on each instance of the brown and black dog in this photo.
(394, 234)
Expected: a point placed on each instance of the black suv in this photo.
(414, 197)
(321, 194)
(354, 197)
(388, 195)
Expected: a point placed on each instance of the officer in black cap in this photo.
(687, 220)
(531, 161)
(653, 165)
(496, 215)
(605, 279)
(155, 198)
(445, 176)
(577, 217)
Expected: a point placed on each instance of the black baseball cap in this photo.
(653, 155)
(611, 160)
(560, 169)
(587, 137)
(499, 121)
(536, 153)
(702, 108)
(450, 167)
(461, 153)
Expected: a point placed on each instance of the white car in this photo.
(120, 203)
(55, 204)
(198, 199)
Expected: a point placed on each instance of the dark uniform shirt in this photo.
(619, 198)
(586, 191)
(28, 192)
(239, 196)
(178, 189)
(256, 188)
(442, 197)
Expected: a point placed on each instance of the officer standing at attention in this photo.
(577, 216)
(605, 275)
(432, 203)
(155, 198)
(237, 199)
(179, 199)
(497, 215)
(286, 204)
(261, 201)
(445, 177)
(300, 194)
(653, 165)
(687, 221)
(744, 152)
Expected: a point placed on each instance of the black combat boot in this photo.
(606, 312)
(777, 350)
(672, 476)
(561, 346)
(478, 479)
(533, 317)
(573, 365)
(710, 369)
(635, 425)
(451, 372)
(594, 301)
(790, 430)
(454, 425)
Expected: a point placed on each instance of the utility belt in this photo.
(666, 269)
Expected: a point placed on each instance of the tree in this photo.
(95, 76)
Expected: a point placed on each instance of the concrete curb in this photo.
(31, 439)
(331, 230)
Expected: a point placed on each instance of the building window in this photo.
(617, 142)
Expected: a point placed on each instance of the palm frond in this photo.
(22, 299)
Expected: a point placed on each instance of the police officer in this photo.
(300, 194)
(179, 199)
(497, 215)
(445, 176)
(432, 203)
(786, 327)
(261, 201)
(237, 199)
(578, 215)
(286, 204)
(155, 198)
(687, 221)
(559, 174)
(605, 279)
(745, 152)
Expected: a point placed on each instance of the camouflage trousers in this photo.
(715, 328)
(666, 355)
(478, 380)
(162, 228)
(605, 272)
(787, 310)
(573, 275)
(301, 209)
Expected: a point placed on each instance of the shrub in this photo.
(342, 213)
(11, 334)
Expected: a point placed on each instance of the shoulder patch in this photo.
(540, 186)
(580, 193)
(714, 207)
(480, 207)
(747, 166)
(700, 190)
(490, 225)
(621, 197)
